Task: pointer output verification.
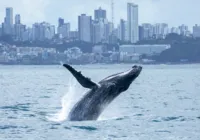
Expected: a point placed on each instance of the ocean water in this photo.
(163, 103)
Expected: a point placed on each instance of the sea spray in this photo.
(67, 103)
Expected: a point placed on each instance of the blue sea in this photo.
(163, 103)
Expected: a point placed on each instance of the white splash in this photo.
(67, 103)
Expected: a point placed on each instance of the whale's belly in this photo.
(92, 104)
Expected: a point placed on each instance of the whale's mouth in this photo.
(136, 70)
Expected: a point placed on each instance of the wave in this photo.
(66, 104)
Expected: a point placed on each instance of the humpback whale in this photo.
(100, 94)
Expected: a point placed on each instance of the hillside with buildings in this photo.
(97, 40)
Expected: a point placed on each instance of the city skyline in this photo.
(151, 11)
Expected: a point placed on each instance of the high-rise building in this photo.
(132, 19)
(3, 28)
(19, 29)
(9, 16)
(42, 31)
(108, 30)
(64, 30)
(146, 31)
(35, 32)
(73, 34)
(175, 30)
(27, 34)
(99, 14)
(196, 31)
(84, 27)
(47, 31)
(60, 22)
(1, 31)
(164, 29)
(17, 19)
(183, 29)
(52, 31)
(98, 31)
(160, 30)
(114, 36)
(8, 23)
(141, 33)
(122, 30)
(126, 31)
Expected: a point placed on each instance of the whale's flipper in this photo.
(84, 81)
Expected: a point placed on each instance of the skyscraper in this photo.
(98, 31)
(183, 29)
(18, 31)
(9, 16)
(1, 31)
(99, 14)
(52, 31)
(60, 22)
(196, 31)
(160, 30)
(8, 27)
(64, 30)
(84, 27)
(35, 32)
(147, 31)
(122, 30)
(132, 19)
(18, 28)
(108, 30)
(141, 33)
(17, 19)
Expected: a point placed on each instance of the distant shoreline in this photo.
(99, 64)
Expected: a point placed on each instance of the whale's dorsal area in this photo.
(84, 81)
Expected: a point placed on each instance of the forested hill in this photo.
(182, 49)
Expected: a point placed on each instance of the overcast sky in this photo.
(173, 12)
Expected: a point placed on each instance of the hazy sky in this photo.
(174, 12)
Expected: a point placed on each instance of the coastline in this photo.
(55, 64)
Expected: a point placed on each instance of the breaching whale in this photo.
(100, 94)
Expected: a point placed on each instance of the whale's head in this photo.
(124, 79)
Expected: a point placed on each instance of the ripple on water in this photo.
(171, 118)
(45, 97)
(139, 115)
(42, 113)
(88, 128)
(11, 117)
(184, 98)
(56, 124)
(4, 127)
(122, 118)
(137, 107)
(17, 107)
(31, 115)
(113, 136)
(163, 131)
(166, 119)
(67, 128)
(53, 127)
(8, 127)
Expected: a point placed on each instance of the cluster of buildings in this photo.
(160, 30)
(36, 55)
(96, 30)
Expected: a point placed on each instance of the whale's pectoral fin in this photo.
(84, 81)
